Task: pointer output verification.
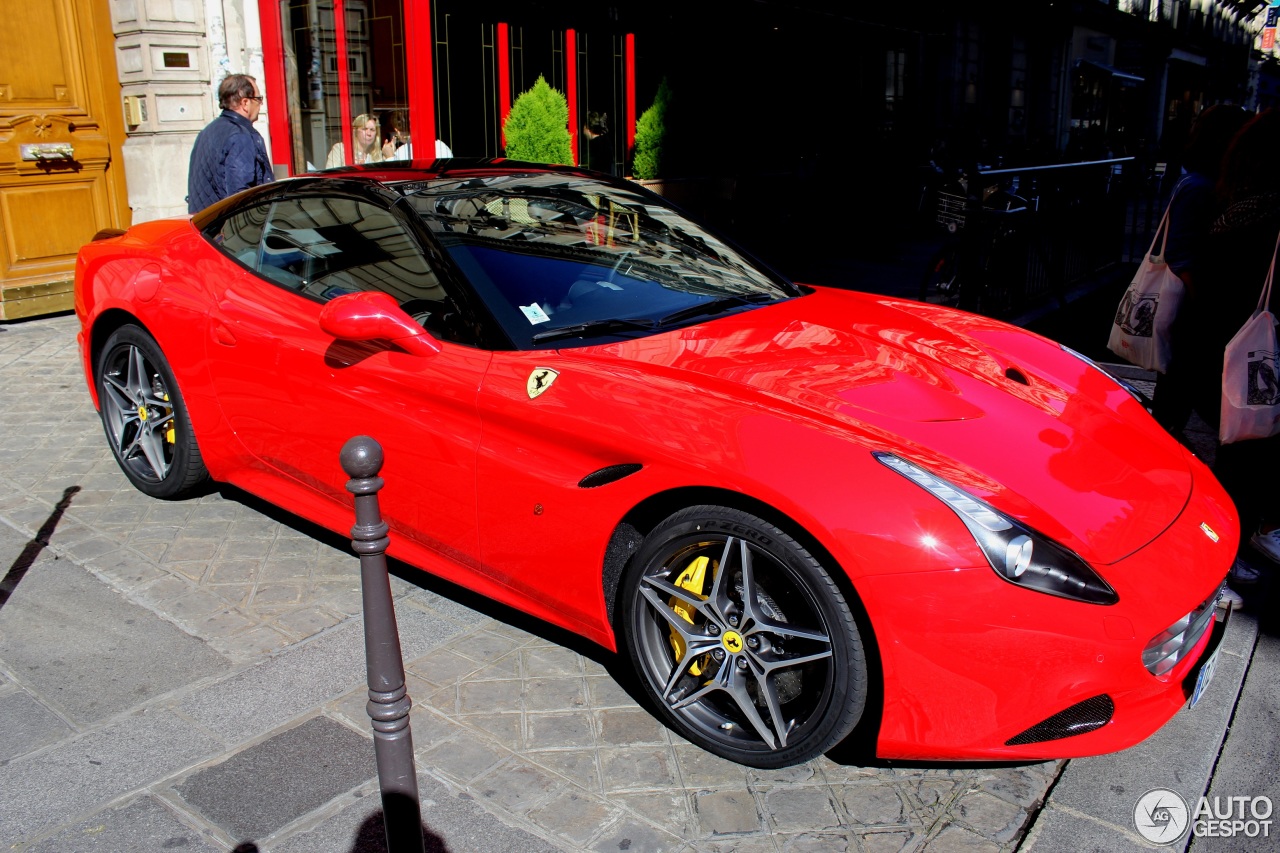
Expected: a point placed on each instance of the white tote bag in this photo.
(1250, 381)
(1140, 332)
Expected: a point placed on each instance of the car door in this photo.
(548, 496)
(294, 395)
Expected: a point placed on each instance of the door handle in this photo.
(47, 151)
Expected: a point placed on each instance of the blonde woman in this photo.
(364, 144)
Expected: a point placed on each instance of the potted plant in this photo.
(537, 128)
(651, 130)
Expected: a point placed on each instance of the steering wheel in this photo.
(433, 315)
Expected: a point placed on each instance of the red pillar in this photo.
(571, 85)
(631, 95)
(420, 48)
(273, 84)
(344, 82)
(504, 80)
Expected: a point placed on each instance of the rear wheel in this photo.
(742, 639)
(145, 418)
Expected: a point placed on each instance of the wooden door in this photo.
(61, 132)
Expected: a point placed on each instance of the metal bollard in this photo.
(389, 703)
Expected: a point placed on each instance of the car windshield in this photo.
(566, 259)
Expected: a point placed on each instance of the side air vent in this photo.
(1080, 718)
(611, 474)
(1017, 375)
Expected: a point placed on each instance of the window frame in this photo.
(483, 332)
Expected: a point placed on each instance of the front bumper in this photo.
(972, 663)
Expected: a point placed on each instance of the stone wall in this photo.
(170, 55)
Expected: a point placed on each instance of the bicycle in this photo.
(967, 271)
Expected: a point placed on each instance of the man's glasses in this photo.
(253, 97)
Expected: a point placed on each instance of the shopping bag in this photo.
(1250, 382)
(1140, 332)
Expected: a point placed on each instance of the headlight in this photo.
(1018, 554)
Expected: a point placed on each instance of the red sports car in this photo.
(794, 508)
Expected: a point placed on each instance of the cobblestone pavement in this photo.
(234, 711)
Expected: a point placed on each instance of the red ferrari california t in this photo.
(794, 509)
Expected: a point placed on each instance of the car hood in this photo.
(1004, 413)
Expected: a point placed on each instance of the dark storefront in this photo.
(1107, 111)
(449, 68)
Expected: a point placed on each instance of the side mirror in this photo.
(371, 315)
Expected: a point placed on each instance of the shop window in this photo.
(326, 94)
(895, 78)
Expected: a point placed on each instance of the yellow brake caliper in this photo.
(693, 578)
(170, 435)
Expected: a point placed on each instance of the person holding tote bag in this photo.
(1250, 382)
(1237, 257)
(1192, 210)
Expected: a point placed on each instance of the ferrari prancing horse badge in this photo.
(540, 380)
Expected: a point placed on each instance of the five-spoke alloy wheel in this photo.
(144, 417)
(742, 639)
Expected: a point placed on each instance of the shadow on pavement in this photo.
(33, 548)
(371, 837)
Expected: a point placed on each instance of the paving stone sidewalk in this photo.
(190, 675)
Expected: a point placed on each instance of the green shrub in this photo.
(650, 130)
(537, 128)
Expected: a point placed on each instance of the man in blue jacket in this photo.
(229, 155)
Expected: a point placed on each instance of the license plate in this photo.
(1205, 676)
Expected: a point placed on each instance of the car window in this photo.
(571, 254)
(322, 247)
(327, 246)
(241, 235)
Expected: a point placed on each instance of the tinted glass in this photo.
(564, 259)
(241, 235)
(328, 246)
(323, 247)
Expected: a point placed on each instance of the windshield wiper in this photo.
(715, 306)
(593, 327)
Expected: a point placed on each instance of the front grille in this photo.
(1172, 644)
(1081, 717)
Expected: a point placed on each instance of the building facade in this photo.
(790, 89)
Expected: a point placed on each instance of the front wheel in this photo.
(742, 639)
(145, 418)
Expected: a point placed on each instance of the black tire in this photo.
(765, 665)
(145, 418)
